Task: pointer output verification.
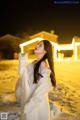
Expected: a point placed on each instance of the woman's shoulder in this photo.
(44, 69)
(34, 61)
(44, 64)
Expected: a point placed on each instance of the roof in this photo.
(9, 36)
(77, 39)
(46, 35)
(9, 40)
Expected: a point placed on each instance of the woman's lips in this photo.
(36, 48)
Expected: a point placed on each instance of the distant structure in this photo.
(9, 46)
(76, 42)
(61, 52)
(34, 39)
(68, 51)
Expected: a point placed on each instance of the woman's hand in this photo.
(22, 49)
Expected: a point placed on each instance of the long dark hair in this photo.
(49, 56)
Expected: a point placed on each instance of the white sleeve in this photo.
(22, 86)
(23, 62)
(42, 88)
(18, 91)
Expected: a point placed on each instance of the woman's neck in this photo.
(40, 56)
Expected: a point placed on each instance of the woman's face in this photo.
(39, 49)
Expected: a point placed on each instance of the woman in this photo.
(36, 80)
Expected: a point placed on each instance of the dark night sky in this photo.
(31, 16)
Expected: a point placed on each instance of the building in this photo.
(9, 46)
(69, 51)
(34, 39)
(77, 47)
(46, 35)
(61, 52)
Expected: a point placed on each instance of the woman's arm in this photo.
(22, 85)
(23, 62)
(38, 95)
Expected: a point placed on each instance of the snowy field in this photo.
(66, 97)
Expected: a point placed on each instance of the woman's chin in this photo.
(36, 52)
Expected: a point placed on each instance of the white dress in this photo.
(33, 97)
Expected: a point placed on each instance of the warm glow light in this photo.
(65, 47)
(22, 49)
(57, 47)
(31, 41)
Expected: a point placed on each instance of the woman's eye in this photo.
(40, 45)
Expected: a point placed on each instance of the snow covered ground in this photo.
(66, 97)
